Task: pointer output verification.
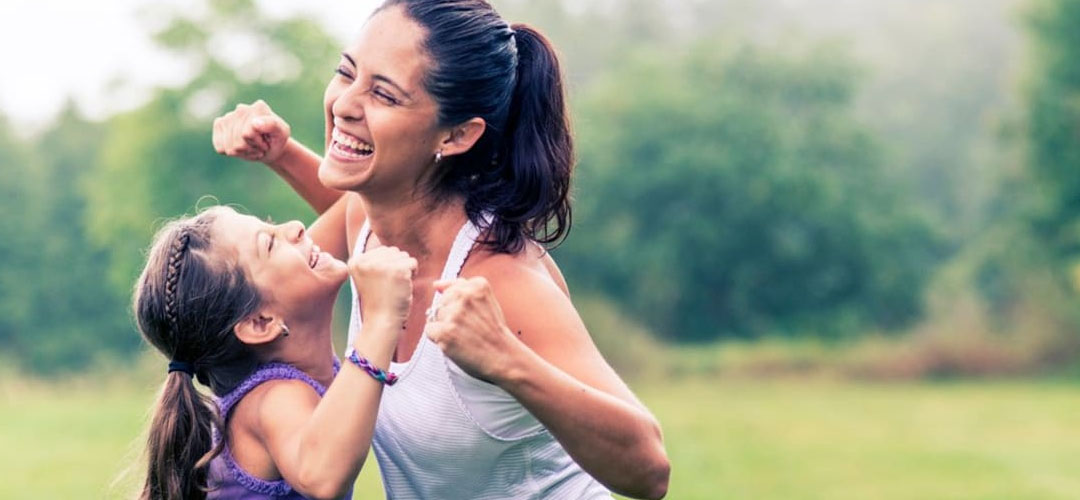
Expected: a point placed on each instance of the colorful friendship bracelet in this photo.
(376, 373)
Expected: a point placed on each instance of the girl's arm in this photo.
(541, 353)
(254, 133)
(319, 446)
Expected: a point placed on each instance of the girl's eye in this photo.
(270, 245)
(341, 71)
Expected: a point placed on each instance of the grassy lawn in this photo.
(727, 439)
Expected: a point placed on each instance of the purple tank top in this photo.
(226, 479)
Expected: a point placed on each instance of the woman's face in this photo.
(381, 125)
(282, 262)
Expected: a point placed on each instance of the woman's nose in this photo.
(349, 105)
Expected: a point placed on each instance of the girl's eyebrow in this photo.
(347, 56)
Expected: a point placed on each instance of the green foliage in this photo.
(724, 189)
(20, 185)
(732, 193)
(1033, 256)
(53, 296)
(89, 195)
(157, 161)
(1053, 100)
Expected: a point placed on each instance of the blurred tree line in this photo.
(726, 186)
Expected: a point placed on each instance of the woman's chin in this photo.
(342, 176)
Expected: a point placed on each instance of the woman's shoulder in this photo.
(531, 266)
(531, 293)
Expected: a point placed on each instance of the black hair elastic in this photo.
(182, 366)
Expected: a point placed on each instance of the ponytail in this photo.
(180, 445)
(538, 151)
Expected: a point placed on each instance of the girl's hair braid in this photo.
(172, 276)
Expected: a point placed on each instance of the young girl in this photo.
(244, 307)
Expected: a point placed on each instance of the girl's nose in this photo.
(293, 230)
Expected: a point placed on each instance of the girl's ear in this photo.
(262, 327)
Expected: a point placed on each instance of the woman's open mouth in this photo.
(350, 147)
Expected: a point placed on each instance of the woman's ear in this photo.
(463, 136)
(261, 327)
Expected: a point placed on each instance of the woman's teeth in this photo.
(351, 145)
(315, 251)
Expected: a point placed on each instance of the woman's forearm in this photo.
(615, 441)
(299, 166)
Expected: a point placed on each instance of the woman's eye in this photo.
(385, 97)
(341, 71)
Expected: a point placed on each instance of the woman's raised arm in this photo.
(254, 133)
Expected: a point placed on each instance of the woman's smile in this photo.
(349, 148)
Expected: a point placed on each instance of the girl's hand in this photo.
(470, 328)
(383, 279)
(251, 132)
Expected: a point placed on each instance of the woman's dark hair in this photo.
(186, 304)
(519, 171)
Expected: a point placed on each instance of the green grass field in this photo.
(727, 439)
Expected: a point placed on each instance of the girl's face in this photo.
(290, 272)
(381, 125)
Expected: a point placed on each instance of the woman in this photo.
(244, 307)
(447, 129)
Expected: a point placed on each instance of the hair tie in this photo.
(182, 366)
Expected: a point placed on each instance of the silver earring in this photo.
(438, 156)
(284, 330)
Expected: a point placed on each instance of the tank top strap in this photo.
(361, 239)
(455, 261)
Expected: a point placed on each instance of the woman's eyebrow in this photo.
(390, 82)
(351, 60)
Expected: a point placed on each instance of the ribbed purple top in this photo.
(227, 479)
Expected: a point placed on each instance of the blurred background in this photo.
(834, 245)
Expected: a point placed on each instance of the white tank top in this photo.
(443, 434)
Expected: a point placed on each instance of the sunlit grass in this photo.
(835, 440)
(787, 438)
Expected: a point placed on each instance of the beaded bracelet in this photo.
(377, 373)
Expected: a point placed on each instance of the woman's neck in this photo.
(421, 227)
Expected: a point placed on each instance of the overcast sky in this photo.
(51, 49)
